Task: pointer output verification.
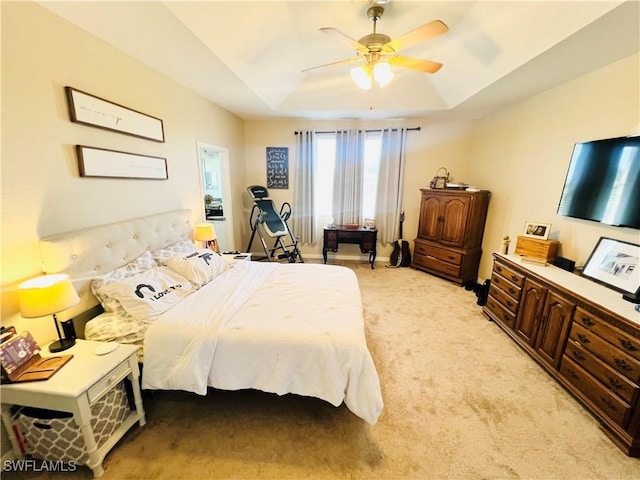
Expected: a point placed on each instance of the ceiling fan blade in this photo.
(421, 34)
(344, 38)
(333, 64)
(425, 66)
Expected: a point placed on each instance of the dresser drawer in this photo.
(108, 382)
(506, 286)
(506, 299)
(497, 310)
(605, 400)
(610, 378)
(595, 324)
(511, 275)
(613, 356)
(433, 263)
(438, 253)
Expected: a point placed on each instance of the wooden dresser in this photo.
(583, 334)
(450, 232)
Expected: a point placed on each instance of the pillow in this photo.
(140, 264)
(149, 294)
(200, 267)
(183, 247)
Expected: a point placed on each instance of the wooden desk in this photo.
(365, 237)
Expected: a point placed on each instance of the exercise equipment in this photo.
(266, 221)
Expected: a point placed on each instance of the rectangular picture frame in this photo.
(88, 109)
(101, 162)
(537, 230)
(614, 263)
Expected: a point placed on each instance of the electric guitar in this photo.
(401, 255)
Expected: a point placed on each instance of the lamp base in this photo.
(63, 344)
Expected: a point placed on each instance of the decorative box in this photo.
(53, 435)
(545, 250)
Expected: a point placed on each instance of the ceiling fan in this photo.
(377, 51)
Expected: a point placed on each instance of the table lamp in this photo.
(206, 233)
(48, 295)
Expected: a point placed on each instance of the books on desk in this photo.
(21, 361)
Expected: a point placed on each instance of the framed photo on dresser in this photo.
(614, 263)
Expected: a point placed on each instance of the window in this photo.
(325, 162)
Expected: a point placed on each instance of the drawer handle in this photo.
(615, 382)
(621, 363)
(573, 374)
(578, 355)
(451, 257)
(608, 403)
(583, 338)
(509, 304)
(506, 317)
(112, 378)
(512, 290)
(514, 278)
(496, 280)
(498, 268)
(627, 345)
(587, 322)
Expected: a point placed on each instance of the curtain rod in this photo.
(372, 130)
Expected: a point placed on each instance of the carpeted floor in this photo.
(461, 401)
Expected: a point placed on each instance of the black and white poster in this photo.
(278, 167)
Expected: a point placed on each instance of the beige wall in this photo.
(42, 193)
(433, 146)
(522, 153)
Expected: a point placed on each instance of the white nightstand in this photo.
(77, 386)
(232, 258)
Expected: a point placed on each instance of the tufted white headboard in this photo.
(84, 254)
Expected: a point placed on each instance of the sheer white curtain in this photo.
(303, 211)
(390, 184)
(348, 177)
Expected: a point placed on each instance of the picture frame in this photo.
(614, 263)
(369, 223)
(537, 230)
(88, 109)
(100, 162)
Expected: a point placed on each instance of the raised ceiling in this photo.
(248, 57)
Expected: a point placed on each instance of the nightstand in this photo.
(82, 382)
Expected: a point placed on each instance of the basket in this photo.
(53, 435)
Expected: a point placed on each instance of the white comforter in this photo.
(281, 328)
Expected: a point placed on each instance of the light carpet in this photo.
(462, 401)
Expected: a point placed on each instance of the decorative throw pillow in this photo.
(183, 248)
(200, 267)
(149, 294)
(140, 264)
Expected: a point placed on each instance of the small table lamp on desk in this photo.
(48, 295)
(206, 233)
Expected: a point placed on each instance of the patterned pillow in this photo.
(140, 264)
(149, 294)
(183, 247)
(200, 267)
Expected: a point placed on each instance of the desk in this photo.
(365, 237)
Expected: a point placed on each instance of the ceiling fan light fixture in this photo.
(382, 73)
(362, 77)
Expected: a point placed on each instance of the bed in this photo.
(279, 328)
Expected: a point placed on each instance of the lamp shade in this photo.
(205, 232)
(46, 295)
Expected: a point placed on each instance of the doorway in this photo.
(215, 188)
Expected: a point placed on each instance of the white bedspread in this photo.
(280, 328)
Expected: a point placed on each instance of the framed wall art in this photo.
(278, 167)
(97, 112)
(614, 263)
(100, 162)
(537, 230)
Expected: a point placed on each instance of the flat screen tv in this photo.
(603, 182)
